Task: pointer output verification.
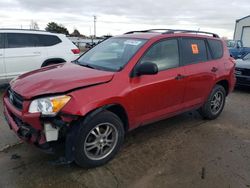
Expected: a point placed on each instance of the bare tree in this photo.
(34, 25)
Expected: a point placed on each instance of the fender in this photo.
(92, 113)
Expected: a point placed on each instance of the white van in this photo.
(26, 50)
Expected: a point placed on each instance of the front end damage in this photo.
(45, 132)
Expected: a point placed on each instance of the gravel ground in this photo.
(183, 151)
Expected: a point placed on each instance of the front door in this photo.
(156, 96)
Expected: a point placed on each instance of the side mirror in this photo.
(146, 68)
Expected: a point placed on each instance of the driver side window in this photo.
(164, 54)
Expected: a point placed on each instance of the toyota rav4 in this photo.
(122, 83)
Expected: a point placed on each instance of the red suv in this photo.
(122, 83)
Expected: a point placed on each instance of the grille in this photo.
(245, 72)
(15, 99)
(18, 121)
(242, 80)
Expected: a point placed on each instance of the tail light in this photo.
(75, 51)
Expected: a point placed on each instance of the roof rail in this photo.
(172, 31)
(146, 31)
(23, 29)
(191, 31)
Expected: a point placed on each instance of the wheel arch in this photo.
(53, 60)
(224, 83)
(117, 109)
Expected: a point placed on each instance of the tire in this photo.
(213, 106)
(93, 149)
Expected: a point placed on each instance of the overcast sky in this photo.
(118, 16)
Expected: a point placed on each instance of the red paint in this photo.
(145, 99)
(57, 79)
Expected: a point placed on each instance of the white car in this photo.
(26, 50)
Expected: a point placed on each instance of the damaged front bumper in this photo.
(32, 127)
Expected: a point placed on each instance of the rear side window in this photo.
(1, 41)
(48, 40)
(164, 54)
(216, 48)
(193, 51)
(20, 40)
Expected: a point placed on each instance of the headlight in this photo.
(49, 105)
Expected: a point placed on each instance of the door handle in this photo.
(38, 53)
(180, 77)
(214, 69)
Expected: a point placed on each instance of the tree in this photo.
(76, 33)
(54, 27)
(34, 25)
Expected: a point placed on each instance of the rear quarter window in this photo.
(193, 51)
(216, 48)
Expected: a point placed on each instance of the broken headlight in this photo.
(49, 105)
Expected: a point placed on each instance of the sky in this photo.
(119, 16)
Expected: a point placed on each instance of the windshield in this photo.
(112, 54)
(246, 57)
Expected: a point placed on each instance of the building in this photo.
(242, 30)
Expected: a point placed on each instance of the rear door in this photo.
(156, 96)
(23, 53)
(2, 67)
(200, 70)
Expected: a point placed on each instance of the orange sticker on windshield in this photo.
(195, 48)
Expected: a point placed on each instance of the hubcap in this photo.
(101, 141)
(217, 102)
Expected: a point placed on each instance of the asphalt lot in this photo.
(6, 138)
(183, 151)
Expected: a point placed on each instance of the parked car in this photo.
(242, 71)
(26, 50)
(89, 45)
(236, 49)
(123, 83)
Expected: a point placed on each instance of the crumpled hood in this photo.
(58, 79)
(245, 64)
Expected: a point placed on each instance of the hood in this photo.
(245, 64)
(58, 79)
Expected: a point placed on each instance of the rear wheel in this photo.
(99, 140)
(214, 104)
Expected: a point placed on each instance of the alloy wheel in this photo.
(101, 141)
(217, 102)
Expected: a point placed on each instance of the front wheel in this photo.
(214, 104)
(99, 140)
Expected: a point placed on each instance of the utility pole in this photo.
(94, 26)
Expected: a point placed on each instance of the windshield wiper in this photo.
(87, 65)
(84, 64)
